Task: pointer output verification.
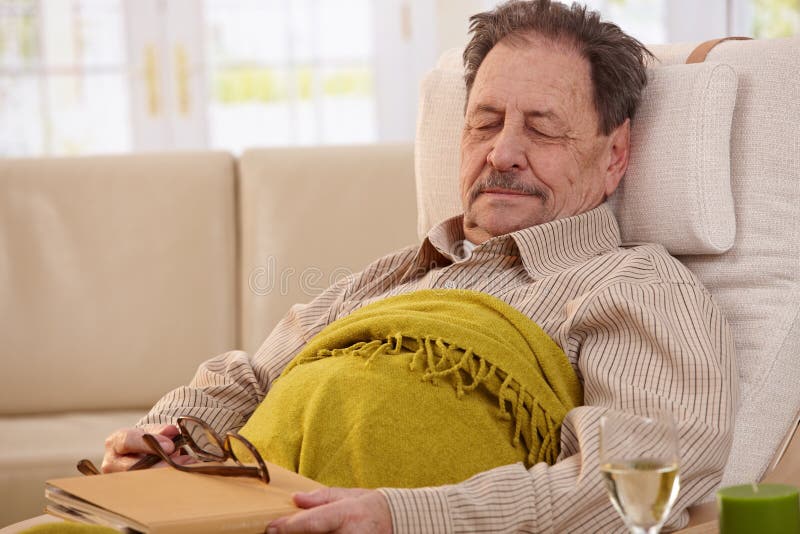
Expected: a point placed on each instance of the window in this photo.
(764, 19)
(291, 72)
(663, 21)
(93, 76)
(63, 77)
(89, 76)
(643, 19)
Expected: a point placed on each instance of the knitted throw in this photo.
(420, 389)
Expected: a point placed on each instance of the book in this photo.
(168, 501)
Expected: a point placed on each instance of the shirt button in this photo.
(450, 284)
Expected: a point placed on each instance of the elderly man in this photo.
(551, 93)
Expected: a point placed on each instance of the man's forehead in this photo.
(540, 79)
(535, 59)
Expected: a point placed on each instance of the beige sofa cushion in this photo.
(311, 215)
(679, 153)
(117, 277)
(41, 447)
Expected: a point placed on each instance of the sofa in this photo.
(121, 274)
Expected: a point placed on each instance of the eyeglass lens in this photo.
(202, 439)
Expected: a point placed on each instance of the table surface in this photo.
(705, 528)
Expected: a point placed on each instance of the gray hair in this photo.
(617, 61)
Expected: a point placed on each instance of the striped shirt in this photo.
(639, 329)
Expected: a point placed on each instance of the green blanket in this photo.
(420, 389)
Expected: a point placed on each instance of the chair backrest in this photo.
(729, 207)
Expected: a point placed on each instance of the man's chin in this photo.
(495, 226)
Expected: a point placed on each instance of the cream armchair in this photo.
(715, 176)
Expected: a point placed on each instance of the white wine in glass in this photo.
(639, 463)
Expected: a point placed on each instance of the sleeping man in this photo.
(457, 386)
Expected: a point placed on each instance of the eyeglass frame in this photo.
(185, 438)
(259, 471)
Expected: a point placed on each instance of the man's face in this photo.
(530, 150)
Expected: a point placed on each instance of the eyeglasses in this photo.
(206, 445)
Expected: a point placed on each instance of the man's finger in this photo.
(164, 435)
(324, 519)
(126, 446)
(169, 431)
(130, 441)
(126, 462)
(180, 460)
(324, 496)
(115, 462)
(348, 510)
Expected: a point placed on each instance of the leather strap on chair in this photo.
(699, 54)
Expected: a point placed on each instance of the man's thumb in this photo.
(319, 497)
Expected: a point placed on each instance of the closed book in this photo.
(164, 500)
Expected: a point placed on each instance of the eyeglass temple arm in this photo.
(149, 460)
(88, 468)
(221, 470)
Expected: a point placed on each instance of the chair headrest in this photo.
(677, 190)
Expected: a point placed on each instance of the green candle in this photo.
(759, 509)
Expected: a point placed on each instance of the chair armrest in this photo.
(709, 527)
(702, 519)
(786, 470)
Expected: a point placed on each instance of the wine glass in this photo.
(639, 459)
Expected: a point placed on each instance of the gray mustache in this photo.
(504, 180)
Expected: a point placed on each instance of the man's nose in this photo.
(508, 152)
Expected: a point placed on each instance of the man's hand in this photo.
(337, 510)
(125, 447)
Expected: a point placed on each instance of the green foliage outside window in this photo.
(348, 82)
(249, 84)
(775, 18)
(18, 23)
(268, 85)
(770, 18)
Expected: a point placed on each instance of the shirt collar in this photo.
(544, 249)
(556, 246)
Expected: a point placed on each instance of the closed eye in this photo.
(489, 126)
(538, 133)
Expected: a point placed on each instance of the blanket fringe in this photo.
(442, 361)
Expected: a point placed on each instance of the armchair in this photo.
(715, 177)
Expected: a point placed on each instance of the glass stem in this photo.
(640, 530)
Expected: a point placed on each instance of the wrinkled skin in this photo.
(531, 150)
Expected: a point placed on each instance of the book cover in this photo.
(168, 501)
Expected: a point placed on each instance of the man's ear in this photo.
(619, 150)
